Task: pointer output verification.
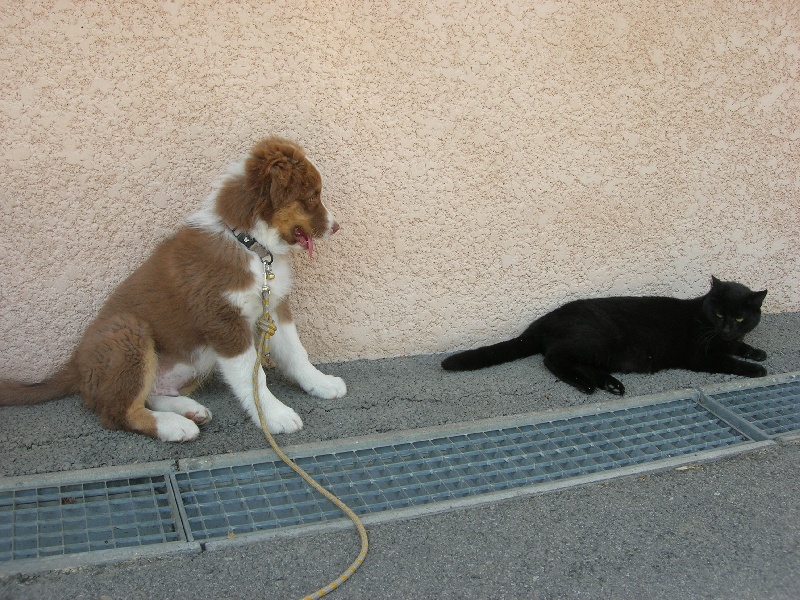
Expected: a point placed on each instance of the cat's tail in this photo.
(63, 382)
(523, 346)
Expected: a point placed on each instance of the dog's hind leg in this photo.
(117, 362)
(180, 405)
(170, 391)
(166, 426)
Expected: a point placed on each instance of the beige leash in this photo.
(267, 328)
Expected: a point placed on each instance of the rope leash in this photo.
(267, 328)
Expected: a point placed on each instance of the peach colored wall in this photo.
(487, 160)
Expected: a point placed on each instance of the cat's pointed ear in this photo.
(757, 298)
(714, 283)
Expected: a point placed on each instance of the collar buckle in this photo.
(244, 238)
(252, 244)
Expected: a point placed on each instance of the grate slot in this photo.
(256, 497)
(58, 520)
(773, 409)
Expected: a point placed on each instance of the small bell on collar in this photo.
(267, 262)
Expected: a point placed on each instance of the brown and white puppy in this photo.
(193, 304)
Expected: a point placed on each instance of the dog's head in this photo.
(277, 197)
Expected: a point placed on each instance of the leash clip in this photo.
(266, 262)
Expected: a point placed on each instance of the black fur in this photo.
(584, 341)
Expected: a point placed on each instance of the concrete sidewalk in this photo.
(728, 529)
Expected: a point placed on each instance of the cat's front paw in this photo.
(756, 371)
(750, 353)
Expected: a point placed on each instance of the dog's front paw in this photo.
(324, 386)
(282, 419)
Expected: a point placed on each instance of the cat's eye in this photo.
(719, 315)
(739, 319)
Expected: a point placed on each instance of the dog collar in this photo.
(252, 244)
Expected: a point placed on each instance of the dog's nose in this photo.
(334, 227)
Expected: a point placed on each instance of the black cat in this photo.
(585, 340)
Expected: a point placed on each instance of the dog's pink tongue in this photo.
(304, 240)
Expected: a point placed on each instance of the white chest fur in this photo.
(249, 300)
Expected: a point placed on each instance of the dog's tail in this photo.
(527, 344)
(63, 382)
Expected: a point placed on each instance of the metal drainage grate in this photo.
(774, 409)
(247, 498)
(61, 520)
(37, 522)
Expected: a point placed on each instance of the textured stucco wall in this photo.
(487, 160)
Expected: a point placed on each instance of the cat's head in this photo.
(732, 308)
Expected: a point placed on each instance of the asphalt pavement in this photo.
(723, 529)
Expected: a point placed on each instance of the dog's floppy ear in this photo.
(281, 183)
(275, 162)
